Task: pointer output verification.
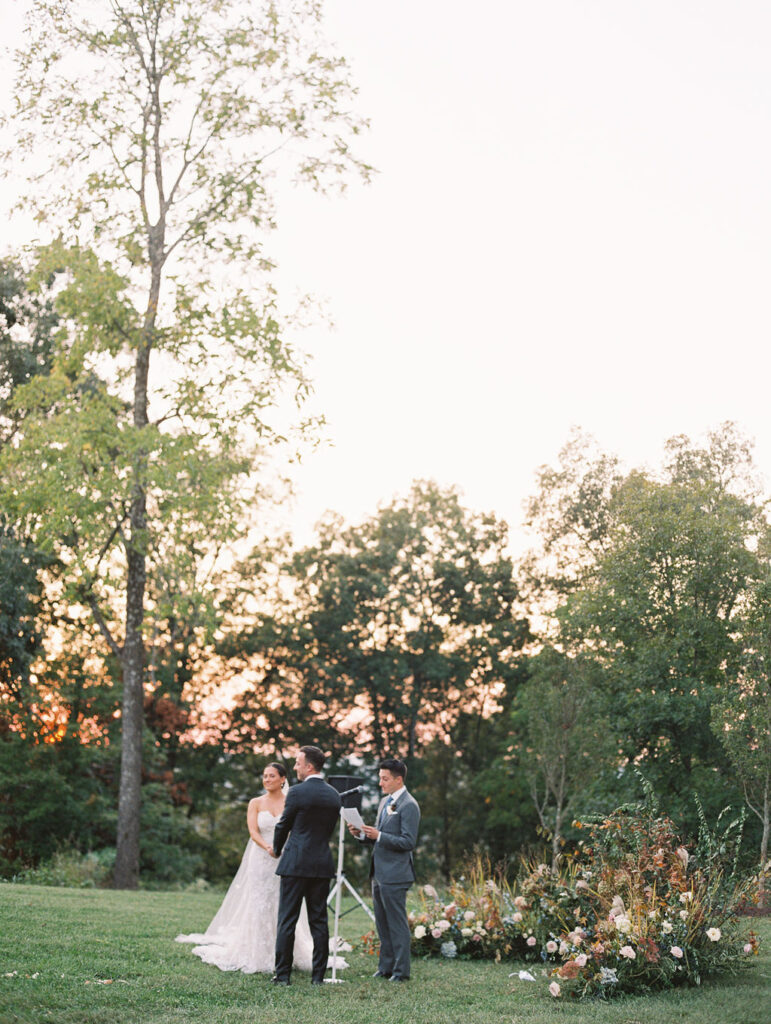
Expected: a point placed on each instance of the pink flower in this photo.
(531, 941)
(748, 947)
(436, 932)
(628, 952)
(555, 989)
(581, 884)
(516, 918)
(551, 946)
(521, 902)
(676, 952)
(581, 959)
(476, 938)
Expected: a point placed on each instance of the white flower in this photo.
(686, 897)
(551, 946)
(481, 931)
(469, 915)
(683, 915)
(623, 924)
(564, 948)
(666, 927)
(420, 932)
(516, 918)
(431, 892)
(448, 949)
(466, 932)
(628, 952)
(581, 959)
(555, 989)
(676, 952)
(443, 925)
(714, 934)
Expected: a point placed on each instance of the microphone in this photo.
(356, 789)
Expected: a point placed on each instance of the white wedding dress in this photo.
(242, 935)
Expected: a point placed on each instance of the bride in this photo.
(242, 934)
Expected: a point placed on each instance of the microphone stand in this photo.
(337, 892)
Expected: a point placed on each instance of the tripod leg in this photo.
(356, 896)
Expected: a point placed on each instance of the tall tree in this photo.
(398, 626)
(742, 716)
(660, 609)
(172, 118)
(564, 742)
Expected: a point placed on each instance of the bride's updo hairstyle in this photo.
(279, 768)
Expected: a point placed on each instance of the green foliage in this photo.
(50, 794)
(72, 869)
(665, 563)
(409, 617)
(566, 741)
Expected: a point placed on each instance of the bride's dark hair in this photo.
(279, 768)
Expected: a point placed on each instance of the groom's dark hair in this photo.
(394, 766)
(315, 756)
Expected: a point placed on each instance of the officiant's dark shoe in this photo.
(394, 978)
(317, 981)
(379, 974)
(275, 980)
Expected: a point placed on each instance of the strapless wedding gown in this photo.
(242, 935)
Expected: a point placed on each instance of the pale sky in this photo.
(571, 224)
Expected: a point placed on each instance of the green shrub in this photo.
(68, 867)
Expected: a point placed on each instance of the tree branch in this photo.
(103, 628)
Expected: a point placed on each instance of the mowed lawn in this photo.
(99, 957)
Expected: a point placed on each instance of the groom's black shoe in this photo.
(379, 974)
(317, 981)
(275, 980)
(394, 978)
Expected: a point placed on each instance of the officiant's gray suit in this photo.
(393, 872)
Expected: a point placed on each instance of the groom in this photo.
(310, 814)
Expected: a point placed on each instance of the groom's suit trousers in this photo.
(314, 891)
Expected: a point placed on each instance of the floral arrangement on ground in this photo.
(634, 911)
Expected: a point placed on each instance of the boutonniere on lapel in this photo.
(391, 809)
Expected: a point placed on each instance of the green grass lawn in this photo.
(102, 957)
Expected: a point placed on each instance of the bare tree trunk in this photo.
(126, 874)
(764, 845)
(130, 795)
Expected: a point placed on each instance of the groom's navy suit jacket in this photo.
(311, 812)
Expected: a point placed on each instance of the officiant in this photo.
(392, 869)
